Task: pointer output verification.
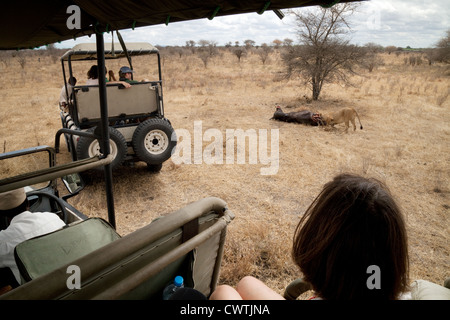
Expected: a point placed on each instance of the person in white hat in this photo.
(23, 225)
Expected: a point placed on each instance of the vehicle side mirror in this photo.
(73, 182)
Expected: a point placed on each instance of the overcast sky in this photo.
(414, 23)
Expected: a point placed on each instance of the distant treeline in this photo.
(208, 48)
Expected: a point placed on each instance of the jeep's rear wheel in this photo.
(152, 141)
(89, 147)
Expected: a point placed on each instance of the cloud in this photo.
(260, 28)
(402, 23)
(415, 23)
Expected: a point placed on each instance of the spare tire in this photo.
(152, 141)
(89, 147)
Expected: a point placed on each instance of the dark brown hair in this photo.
(353, 223)
(93, 72)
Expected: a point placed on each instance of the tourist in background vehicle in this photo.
(65, 96)
(93, 78)
(125, 74)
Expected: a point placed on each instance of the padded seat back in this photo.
(188, 242)
(141, 98)
(41, 255)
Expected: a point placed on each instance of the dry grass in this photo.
(405, 142)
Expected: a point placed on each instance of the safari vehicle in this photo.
(137, 127)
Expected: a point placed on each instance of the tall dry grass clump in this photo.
(405, 142)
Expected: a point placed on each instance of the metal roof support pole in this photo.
(104, 144)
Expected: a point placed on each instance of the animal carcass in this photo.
(304, 117)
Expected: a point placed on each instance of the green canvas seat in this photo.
(41, 255)
(188, 242)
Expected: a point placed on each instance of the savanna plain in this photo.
(404, 109)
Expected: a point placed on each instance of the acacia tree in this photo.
(264, 52)
(239, 52)
(443, 48)
(324, 53)
(372, 59)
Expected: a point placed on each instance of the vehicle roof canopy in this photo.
(88, 51)
(30, 24)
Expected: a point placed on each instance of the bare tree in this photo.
(443, 48)
(204, 56)
(239, 52)
(22, 59)
(264, 52)
(324, 54)
(209, 46)
(190, 44)
(203, 43)
(207, 50)
(390, 49)
(277, 43)
(249, 44)
(372, 59)
(53, 52)
(287, 42)
(431, 55)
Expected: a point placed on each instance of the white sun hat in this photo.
(12, 199)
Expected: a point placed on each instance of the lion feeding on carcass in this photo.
(344, 115)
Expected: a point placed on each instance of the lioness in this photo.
(344, 115)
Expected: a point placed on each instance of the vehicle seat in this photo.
(426, 290)
(41, 255)
(141, 98)
(187, 242)
(420, 290)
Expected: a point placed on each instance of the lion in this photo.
(343, 116)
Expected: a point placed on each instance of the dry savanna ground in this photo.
(405, 142)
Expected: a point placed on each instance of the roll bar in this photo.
(51, 173)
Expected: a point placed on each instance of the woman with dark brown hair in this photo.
(350, 244)
(352, 227)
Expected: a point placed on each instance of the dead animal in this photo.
(303, 117)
